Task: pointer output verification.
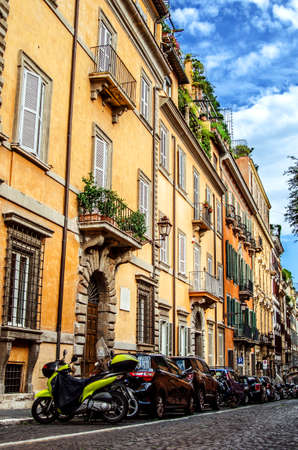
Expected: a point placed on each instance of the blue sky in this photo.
(250, 52)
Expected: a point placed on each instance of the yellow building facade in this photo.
(89, 88)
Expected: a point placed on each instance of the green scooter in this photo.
(97, 396)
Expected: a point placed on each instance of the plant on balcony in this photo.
(222, 131)
(137, 224)
(89, 196)
(242, 150)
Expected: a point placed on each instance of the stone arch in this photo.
(97, 264)
(198, 325)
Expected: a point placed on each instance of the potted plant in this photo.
(206, 204)
(210, 209)
(88, 200)
(136, 223)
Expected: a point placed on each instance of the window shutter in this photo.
(179, 339)
(233, 311)
(170, 338)
(31, 112)
(144, 200)
(145, 99)
(188, 340)
(160, 336)
(100, 162)
(181, 253)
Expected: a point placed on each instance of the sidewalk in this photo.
(15, 416)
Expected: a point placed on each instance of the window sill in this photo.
(146, 123)
(182, 277)
(165, 173)
(30, 157)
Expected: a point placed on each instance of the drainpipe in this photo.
(174, 245)
(67, 179)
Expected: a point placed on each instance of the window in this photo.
(145, 98)
(184, 340)
(13, 378)
(214, 161)
(23, 277)
(210, 346)
(196, 194)
(165, 337)
(167, 86)
(219, 217)
(196, 267)
(181, 168)
(164, 146)
(220, 280)
(105, 41)
(102, 158)
(145, 314)
(33, 118)
(182, 253)
(144, 203)
(221, 347)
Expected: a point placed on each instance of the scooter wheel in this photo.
(133, 408)
(119, 408)
(43, 410)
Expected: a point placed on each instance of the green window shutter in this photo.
(229, 309)
(246, 316)
(233, 311)
(227, 259)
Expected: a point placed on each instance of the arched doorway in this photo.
(199, 348)
(92, 325)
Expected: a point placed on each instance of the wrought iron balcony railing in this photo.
(246, 288)
(230, 214)
(203, 213)
(202, 281)
(107, 61)
(107, 208)
(244, 331)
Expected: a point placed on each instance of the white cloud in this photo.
(260, 58)
(185, 16)
(204, 28)
(270, 126)
(287, 14)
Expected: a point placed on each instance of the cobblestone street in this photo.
(269, 426)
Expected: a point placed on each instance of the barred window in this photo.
(23, 277)
(145, 312)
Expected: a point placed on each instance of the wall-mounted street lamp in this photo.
(164, 228)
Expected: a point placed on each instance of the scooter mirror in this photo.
(74, 358)
(112, 353)
(64, 353)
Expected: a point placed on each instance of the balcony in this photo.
(243, 231)
(259, 245)
(230, 215)
(245, 290)
(245, 333)
(252, 247)
(237, 225)
(107, 219)
(204, 288)
(247, 240)
(111, 79)
(202, 217)
(267, 339)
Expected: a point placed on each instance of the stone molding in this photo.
(102, 259)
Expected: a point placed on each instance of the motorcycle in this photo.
(126, 388)
(226, 394)
(97, 396)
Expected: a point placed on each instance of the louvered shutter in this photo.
(144, 200)
(196, 267)
(100, 162)
(105, 39)
(144, 98)
(163, 146)
(170, 338)
(31, 112)
(181, 253)
(188, 331)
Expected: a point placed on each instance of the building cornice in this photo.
(179, 124)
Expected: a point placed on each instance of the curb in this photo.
(9, 421)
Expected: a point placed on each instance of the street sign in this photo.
(240, 361)
(265, 364)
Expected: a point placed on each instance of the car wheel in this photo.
(159, 406)
(190, 409)
(216, 401)
(200, 404)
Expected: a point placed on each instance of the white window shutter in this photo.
(188, 341)
(31, 112)
(181, 253)
(145, 99)
(144, 200)
(100, 162)
(170, 338)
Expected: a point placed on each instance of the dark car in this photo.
(205, 386)
(234, 393)
(254, 391)
(159, 385)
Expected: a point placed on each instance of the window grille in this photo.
(145, 312)
(13, 377)
(23, 278)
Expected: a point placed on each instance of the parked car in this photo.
(270, 390)
(205, 386)
(253, 389)
(232, 388)
(160, 385)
